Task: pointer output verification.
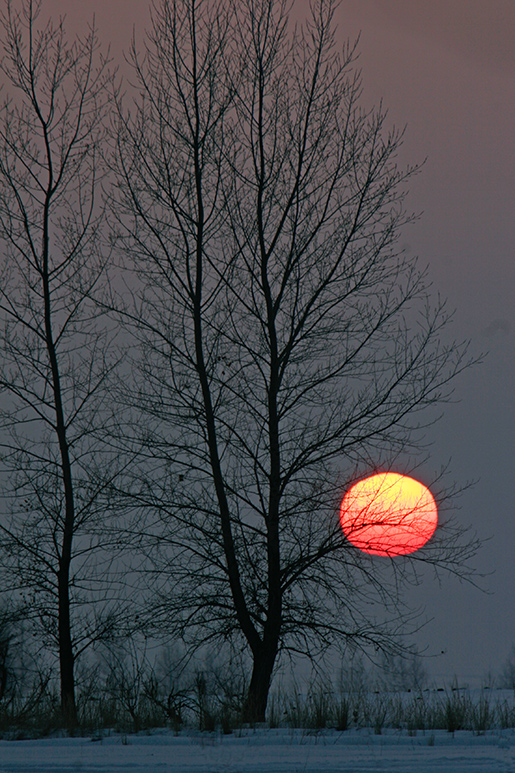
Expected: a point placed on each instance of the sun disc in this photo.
(388, 514)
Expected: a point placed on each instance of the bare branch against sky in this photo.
(54, 345)
(444, 69)
(284, 342)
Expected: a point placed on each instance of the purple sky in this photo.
(446, 68)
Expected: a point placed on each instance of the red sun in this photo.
(388, 514)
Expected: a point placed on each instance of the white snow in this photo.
(267, 751)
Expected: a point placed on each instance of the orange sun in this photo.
(388, 514)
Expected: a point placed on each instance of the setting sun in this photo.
(388, 514)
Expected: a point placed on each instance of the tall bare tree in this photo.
(53, 343)
(284, 343)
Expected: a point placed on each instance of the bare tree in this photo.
(53, 343)
(284, 343)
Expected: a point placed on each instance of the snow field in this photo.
(266, 751)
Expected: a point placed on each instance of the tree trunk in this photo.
(66, 659)
(254, 708)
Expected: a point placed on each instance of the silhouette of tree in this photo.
(283, 343)
(55, 360)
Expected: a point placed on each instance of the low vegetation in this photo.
(128, 695)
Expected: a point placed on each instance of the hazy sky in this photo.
(446, 69)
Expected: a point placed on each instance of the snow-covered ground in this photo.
(267, 751)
